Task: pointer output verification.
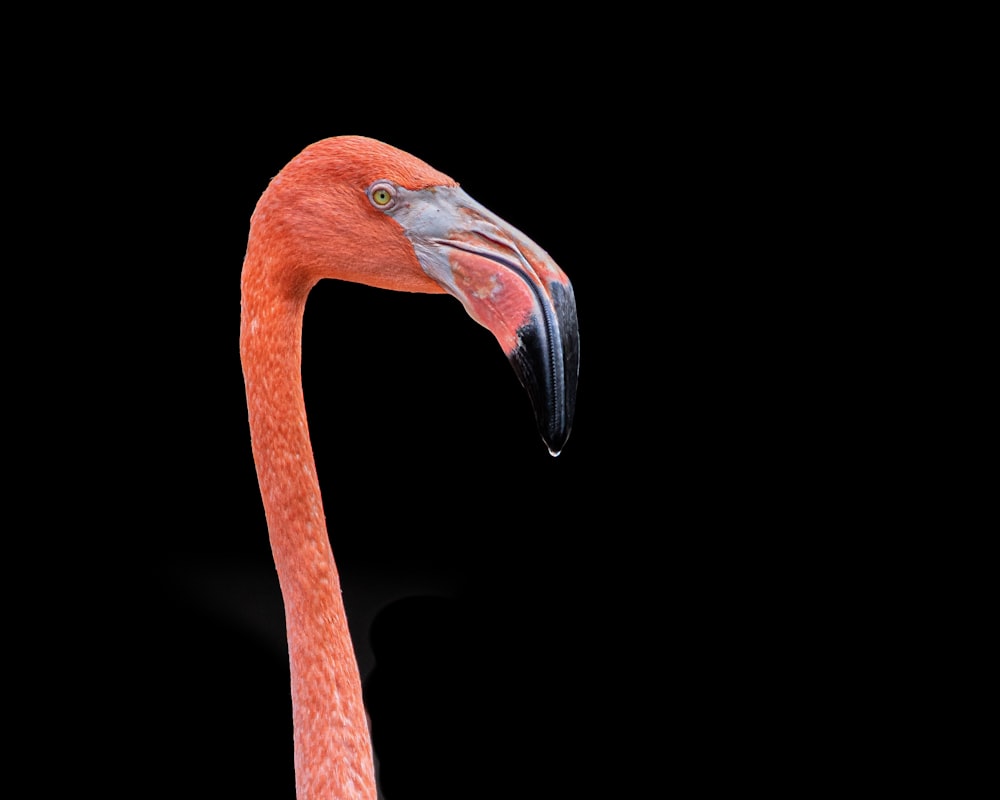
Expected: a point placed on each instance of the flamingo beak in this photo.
(507, 284)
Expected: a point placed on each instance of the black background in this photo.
(620, 615)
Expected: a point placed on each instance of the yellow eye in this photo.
(381, 194)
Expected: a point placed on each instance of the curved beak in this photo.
(507, 284)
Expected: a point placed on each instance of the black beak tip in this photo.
(555, 440)
(552, 404)
(547, 360)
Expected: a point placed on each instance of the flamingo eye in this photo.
(382, 195)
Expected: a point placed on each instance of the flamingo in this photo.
(354, 208)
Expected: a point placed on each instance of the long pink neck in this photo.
(333, 754)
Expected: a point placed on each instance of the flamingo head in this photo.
(356, 209)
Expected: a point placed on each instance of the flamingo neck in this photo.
(333, 753)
